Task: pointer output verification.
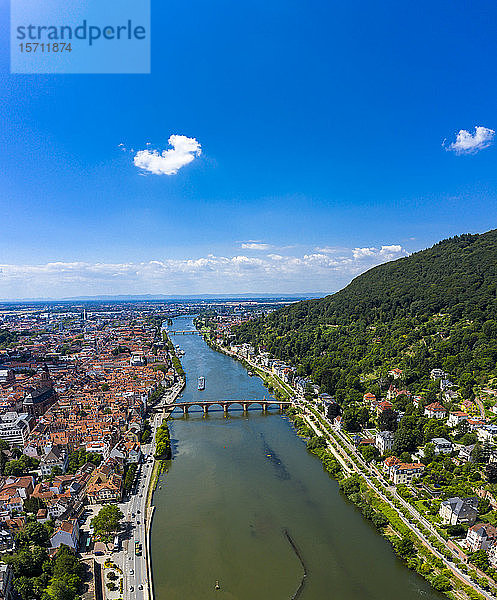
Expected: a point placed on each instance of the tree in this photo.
(108, 519)
(316, 442)
(27, 562)
(404, 441)
(350, 419)
(491, 472)
(350, 485)
(429, 454)
(480, 559)
(478, 454)
(163, 442)
(333, 410)
(483, 506)
(130, 477)
(22, 466)
(56, 471)
(456, 530)
(33, 505)
(24, 586)
(441, 583)
(404, 547)
(33, 533)
(387, 421)
(66, 579)
(370, 452)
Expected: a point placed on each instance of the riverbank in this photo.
(426, 553)
(273, 383)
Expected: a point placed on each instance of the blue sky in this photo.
(321, 127)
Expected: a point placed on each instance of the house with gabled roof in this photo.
(480, 537)
(67, 534)
(455, 511)
(435, 411)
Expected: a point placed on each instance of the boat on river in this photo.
(201, 383)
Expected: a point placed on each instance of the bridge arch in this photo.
(209, 405)
(185, 406)
(240, 403)
(260, 403)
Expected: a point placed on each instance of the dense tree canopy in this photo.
(108, 519)
(434, 309)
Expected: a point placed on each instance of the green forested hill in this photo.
(435, 308)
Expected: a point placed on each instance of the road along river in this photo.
(243, 502)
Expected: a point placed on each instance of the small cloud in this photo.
(384, 252)
(328, 249)
(122, 147)
(393, 249)
(255, 246)
(168, 162)
(362, 252)
(471, 143)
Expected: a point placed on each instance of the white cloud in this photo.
(362, 252)
(386, 252)
(393, 249)
(255, 246)
(268, 272)
(168, 162)
(328, 249)
(470, 143)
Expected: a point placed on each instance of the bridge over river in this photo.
(227, 405)
(183, 332)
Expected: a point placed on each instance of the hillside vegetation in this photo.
(434, 309)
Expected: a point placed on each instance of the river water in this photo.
(235, 485)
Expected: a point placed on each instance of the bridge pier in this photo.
(225, 408)
(185, 410)
(206, 408)
(281, 406)
(245, 407)
(264, 408)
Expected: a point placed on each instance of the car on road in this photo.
(140, 587)
(132, 572)
(131, 588)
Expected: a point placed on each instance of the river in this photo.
(235, 485)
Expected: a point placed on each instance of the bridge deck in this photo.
(228, 404)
